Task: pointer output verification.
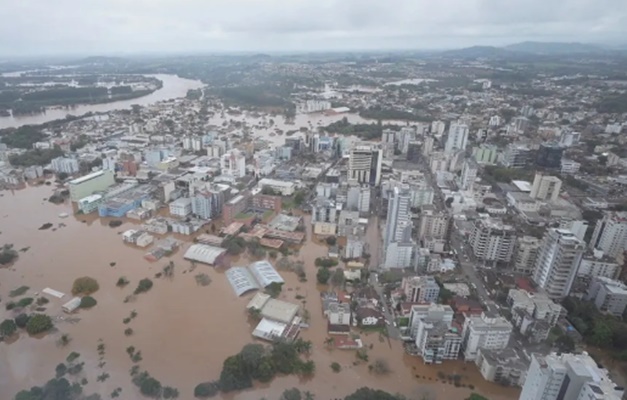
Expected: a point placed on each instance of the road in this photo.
(393, 332)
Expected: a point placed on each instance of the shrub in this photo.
(85, 285)
(88, 302)
(10, 306)
(122, 281)
(72, 356)
(128, 332)
(206, 389)
(38, 323)
(151, 387)
(323, 275)
(19, 291)
(336, 367)
(60, 370)
(170, 393)
(273, 254)
(42, 300)
(21, 320)
(7, 328)
(143, 286)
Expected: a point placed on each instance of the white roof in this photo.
(279, 310)
(265, 273)
(86, 177)
(258, 301)
(241, 280)
(275, 182)
(90, 198)
(269, 330)
(523, 186)
(204, 253)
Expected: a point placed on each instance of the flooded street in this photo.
(184, 331)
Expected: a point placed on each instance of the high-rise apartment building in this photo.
(610, 234)
(557, 262)
(420, 289)
(65, 165)
(433, 224)
(516, 156)
(469, 174)
(568, 376)
(457, 138)
(398, 228)
(233, 164)
(491, 240)
(484, 332)
(546, 187)
(527, 248)
(364, 164)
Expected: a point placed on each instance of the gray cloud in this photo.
(109, 26)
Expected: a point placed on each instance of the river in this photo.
(173, 87)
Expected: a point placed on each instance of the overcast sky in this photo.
(46, 27)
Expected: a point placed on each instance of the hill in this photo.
(551, 48)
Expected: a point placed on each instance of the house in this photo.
(347, 343)
(466, 306)
(71, 305)
(366, 316)
(339, 314)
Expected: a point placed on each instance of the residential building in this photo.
(285, 188)
(527, 248)
(431, 312)
(399, 255)
(516, 156)
(485, 154)
(437, 340)
(608, 295)
(364, 164)
(206, 204)
(484, 332)
(538, 305)
(398, 223)
(438, 128)
(569, 167)
(457, 138)
(358, 198)
(233, 164)
(610, 234)
(420, 289)
(433, 224)
(339, 314)
(89, 184)
(65, 165)
(557, 262)
(596, 264)
(568, 376)
(546, 187)
(181, 207)
(577, 227)
(469, 174)
(507, 366)
(233, 207)
(549, 155)
(354, 247)
(427, 146)
(491, 240)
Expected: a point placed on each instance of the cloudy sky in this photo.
(46, 27)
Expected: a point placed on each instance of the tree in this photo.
(252, 355)
(88, 302)
(323, 275)
(565, 344)
(206, 389)
(336, 367)
(151, 387)
(601, 334)
(475, 396)
(85, 285)
(337, 279)
(38, 323)
(292, 394)
(233, 375)
(366, 393)
(170, 393)
(274, 289)
(7, 328)
(308, 368)
(21, 320)
(380, 367)
(331, 240)
(143, 286)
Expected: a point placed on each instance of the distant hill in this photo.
(478, 52)
(100, 60)
(550, 48)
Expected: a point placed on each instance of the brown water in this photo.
(184, 331)
(173, 87)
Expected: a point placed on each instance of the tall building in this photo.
(206, 204)
(608, 295)
(433, 225)
(516, 156)
(65, 165)
(545, 187)
(484, 332)
(469, 174)
(399, 255)
(491, 240)
(427, 147)
(527, 248)
(233, 164)
(420, 289)
(568, 376)
(358, 198)
(89, 184)
(364, 165)
(557, 262)
(457, 138)
(485, 154)
(398, 227)
(577, 227)
(437, 128)
(610, 234)
(550, 155)
(436, 339)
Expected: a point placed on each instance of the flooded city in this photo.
(183, 330)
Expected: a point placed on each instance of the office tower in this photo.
(610, 234)
(484, 332)
(557, 262)
(568, 376)
(491, 240)
(364, 165)
(546, 187)
(457, 138)
(549, 155)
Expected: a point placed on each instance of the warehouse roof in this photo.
(265, 273)
(204, 253)
(279, 310)
(241, 280)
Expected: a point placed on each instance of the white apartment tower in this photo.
(364, 165)
(610, 234)
(546, 187)
(433, 225)
(568, 376)
(233, 164)
(527, 248)
(484, 332)
(491, 240)
(398, 225)
(557, 263)
(469, 174)
(457, 138)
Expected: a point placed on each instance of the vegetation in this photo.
(72, 356)
(7, 328)
(202, 279)
(274, 289)
(54, 389)
(128, 332)
(122, 281)
(88, 302)
(366, 393)
(21, 320)
(35, 157)
(336, 367)
(256, 362)
(23, 137)
(25, 302)
(8, 255)
(325, 262)
(380, 367)
(337, 278)
(206, 389)
(234, 245)
(506, 175)
(475, 396)
(364, 131)
(19, 291)
(613, 104)
(38, 323)
(42, 301)
(323, 275)
(143, 286)
(85, 285)
(385, 113)
(64, 340)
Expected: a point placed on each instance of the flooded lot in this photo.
(183, 330)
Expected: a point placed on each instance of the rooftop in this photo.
(279, 310)
(204, 253)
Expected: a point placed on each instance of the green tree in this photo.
(274, 289)
(206, 389)
(233, 375)
(151, 387)
(21, 320)
(602, 334)
(337, 279)
(292, 394)
(323, 275)
(336, 367)
(565, 344)
(252, 356)
(38, 323)
(331, 240)
(85, 285)
(143, 286)
(7, 328)
(366, 393)
(88, 302)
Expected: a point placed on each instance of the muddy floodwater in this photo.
(184, 331)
